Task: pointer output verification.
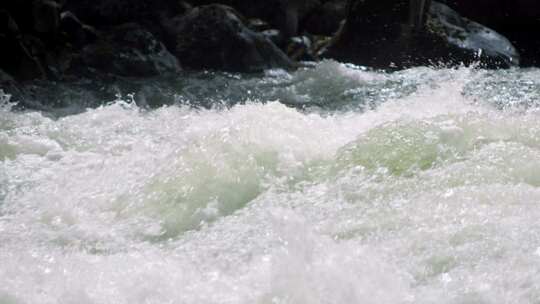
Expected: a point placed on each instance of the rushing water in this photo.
(327, 185)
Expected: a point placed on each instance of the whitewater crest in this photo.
(362, 187)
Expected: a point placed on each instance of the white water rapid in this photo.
(429, 194)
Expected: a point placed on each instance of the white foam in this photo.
(256, 204)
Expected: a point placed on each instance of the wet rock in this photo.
(77, 33)
(21, 11)
(258, 25)
(215, 37)
(388, 35)
(5, 78)
(517, 20)
(8, 85)
(301, 49)
(129, 50)
(46, 14)
(8, 25)
(325, 19)
(18, 52)
(307, 48)
(372, 33)
(32, 51)
(106, 12)
(273, 35)
(102, 13)
(285, 15)
(58, 62)
(490, 46)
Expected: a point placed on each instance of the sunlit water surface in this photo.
(326, 185)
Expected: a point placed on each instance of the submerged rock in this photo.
(129, 50)
(385, 34)
(215, 37)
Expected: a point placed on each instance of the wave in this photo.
(429, 195)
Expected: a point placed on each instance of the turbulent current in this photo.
(331, 184)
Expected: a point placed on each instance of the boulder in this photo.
(31, 45)
(258, 25)
(8, 25)
(273, 35)
(103, 13)
(215, 37)
(300, 48)
(285, 15)
(129, 50)
(518, 20)
(77, 33)
(491, 47)
(5, 78)
(325, 19)
(21, 11)
(32, 52)
(7, 85)
(397, 34)
(106, 12)
(46, 14)
(19, 53)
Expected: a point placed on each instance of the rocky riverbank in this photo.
(70, 40)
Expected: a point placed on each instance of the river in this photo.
(332, 184)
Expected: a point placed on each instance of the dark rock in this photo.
(106, 12)
(18, 53)
(386, 34)
(129, 50)
(101, 13)
(307, 48)
(32, 50)
(274, 36)
(8, 85)
(258, 25)
(518, 20)
(301, 49)
(46, 14)
(152, 15)
(5, 78)
(325, 19)
(78, 33)
(8, 25)
(58, 62)
(285, 15)
(472, 36)
(21, 11)
(215, 37)
(288, 19)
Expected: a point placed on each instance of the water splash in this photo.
(427, 196)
